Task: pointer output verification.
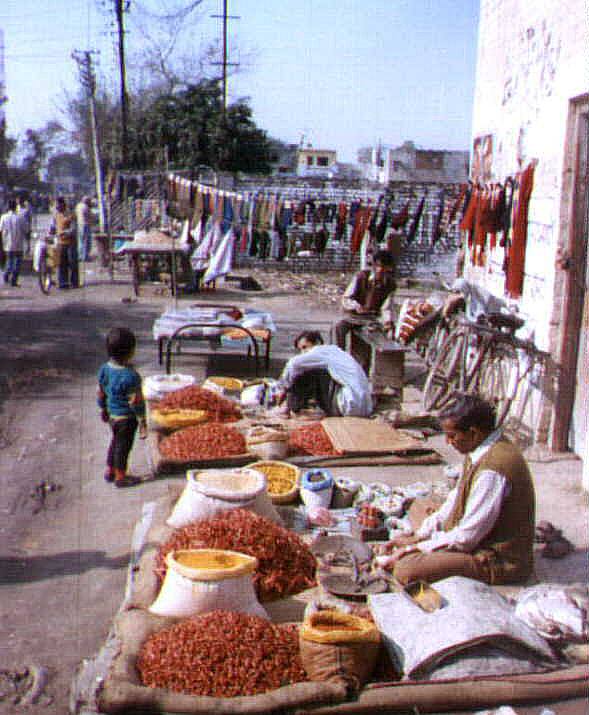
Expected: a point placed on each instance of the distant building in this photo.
(315, 162)
(382, 164)
(283, 158)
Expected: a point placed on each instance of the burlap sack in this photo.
(122, 691)
(339, 648)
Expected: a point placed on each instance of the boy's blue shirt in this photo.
(119, 391)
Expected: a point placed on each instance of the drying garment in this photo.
(340, 227)
(437, 225)
(398, 220)
(467, 223)
(355, 206)
(221, 259)
(376, 216)
(320, 239)
(275, 245)
(361, 223)
(506, 209)
(228, 214)
(412, 232)
(205, 249)
(514, 279)
(459, 205)
(299, 214)
(483, 222)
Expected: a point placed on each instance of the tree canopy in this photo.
(189, 128)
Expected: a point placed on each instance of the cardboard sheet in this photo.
(359, 435)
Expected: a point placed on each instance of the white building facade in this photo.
(531, 105)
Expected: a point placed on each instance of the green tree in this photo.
(189, 128)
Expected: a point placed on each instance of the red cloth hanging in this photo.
(514, 280)
(360, 226)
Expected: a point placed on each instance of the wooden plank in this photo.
(382, 460)
(359, 435)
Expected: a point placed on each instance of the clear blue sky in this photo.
(343, 73)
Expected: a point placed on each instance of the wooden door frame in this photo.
(570, 277)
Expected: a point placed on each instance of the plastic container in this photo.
(317, 488)
(203, 580)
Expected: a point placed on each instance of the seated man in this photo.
(368, 298)
(485, 528)
(327, 375)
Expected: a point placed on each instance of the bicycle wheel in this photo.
(435, 342)
(45, 277)
(497, 378)
(446, 375)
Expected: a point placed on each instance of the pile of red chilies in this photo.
(285, 564)
(222, 654)
(195, 397)
(313, 440)
(209, 440)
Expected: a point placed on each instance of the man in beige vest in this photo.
(485, 528)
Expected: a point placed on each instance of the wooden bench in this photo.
(382, 359)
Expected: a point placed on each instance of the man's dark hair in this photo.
(313, 336)
(470, 411)
(385, 258)
(120, 343)
(12, 204)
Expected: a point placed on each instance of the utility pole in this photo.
(225, 63)
(88, 81)
(121, 7)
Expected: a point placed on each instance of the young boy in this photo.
(120, 400)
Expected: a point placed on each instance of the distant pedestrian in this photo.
(120, 399)
(25, 210)
(63, 227)
(83, 212)
(12, 230)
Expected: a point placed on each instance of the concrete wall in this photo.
(532, 60)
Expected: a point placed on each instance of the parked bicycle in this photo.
(480, 358)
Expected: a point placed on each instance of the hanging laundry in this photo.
(361, 223)
(412, 231)
(514, 279)
(221, 259)
(398, 220)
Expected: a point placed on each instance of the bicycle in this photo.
(479, 358)
(45, 262)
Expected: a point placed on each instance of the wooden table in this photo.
(382, 359)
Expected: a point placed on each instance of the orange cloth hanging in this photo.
(514, 279)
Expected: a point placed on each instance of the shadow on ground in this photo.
(38, 568)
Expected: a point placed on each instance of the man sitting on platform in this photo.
(485, 528)
(325, 375)
(368, 299)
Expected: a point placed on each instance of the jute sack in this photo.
(339, 648)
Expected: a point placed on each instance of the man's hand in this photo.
(388, 561)
(280, 397)
(142, 430)
(398, 542)
(104, 415)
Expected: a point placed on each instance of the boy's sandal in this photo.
(127, 481)
(109, 477)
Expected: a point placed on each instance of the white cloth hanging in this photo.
(221, 259)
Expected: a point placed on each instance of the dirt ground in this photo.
(65, 533)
